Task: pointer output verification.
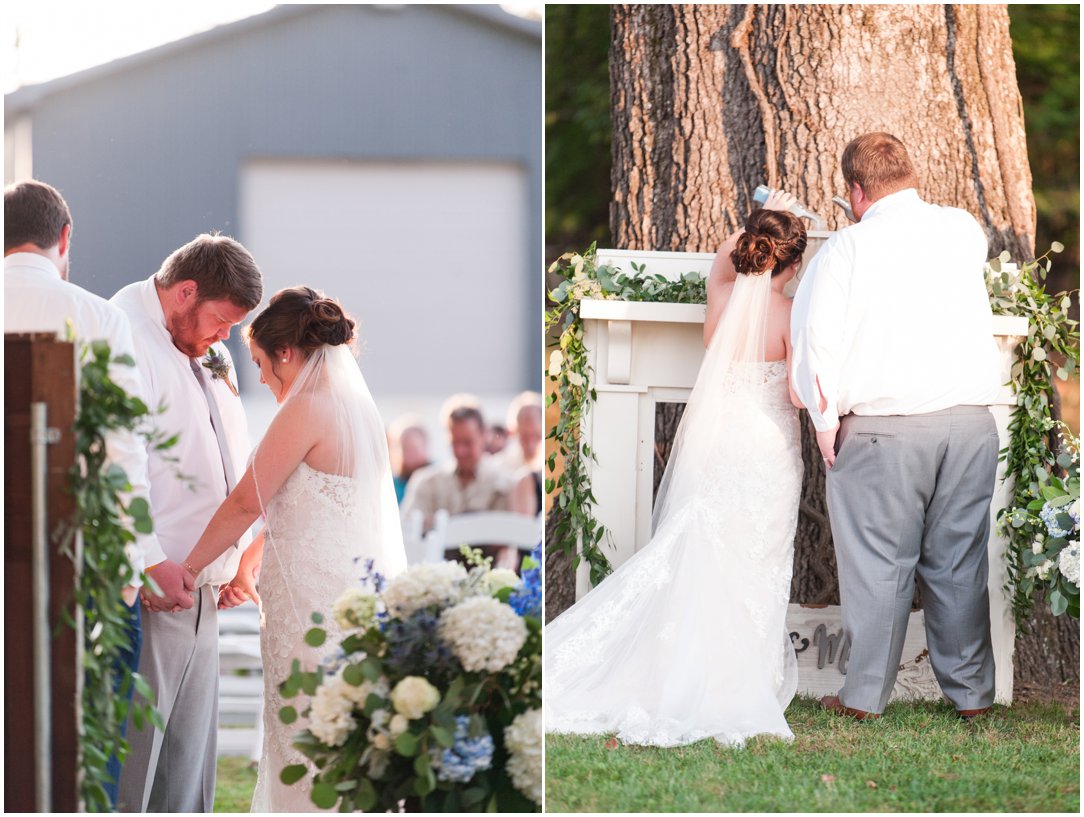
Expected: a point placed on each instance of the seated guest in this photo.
(496, 439)
(524, 456)
(471, 481)
(525, 421)
(408, 445)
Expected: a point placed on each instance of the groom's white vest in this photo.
(187, 481)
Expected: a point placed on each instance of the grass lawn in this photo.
(234, 785)
(919, 757)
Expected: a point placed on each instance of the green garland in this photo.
(1041, 474)
(102, 516)
(577, 533)
(1046, 479)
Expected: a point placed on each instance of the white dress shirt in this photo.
(892, 316)
(37, 299)
(187, 481)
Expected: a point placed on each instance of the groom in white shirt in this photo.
(895, 360)
(179, 317)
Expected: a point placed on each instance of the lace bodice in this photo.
(314, 545)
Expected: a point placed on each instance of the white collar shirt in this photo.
(187, 481)
(37, 299)
(892, 316)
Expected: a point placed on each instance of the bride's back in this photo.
(777, 329)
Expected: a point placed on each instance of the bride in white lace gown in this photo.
(687, 639)
(322, 479)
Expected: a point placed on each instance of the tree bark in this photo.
(710, 101)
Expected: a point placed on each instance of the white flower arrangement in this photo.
(424, 585)
(484, 634)
(523, 739)
(331, 715)
(1069, 563)
(355, 610)
(431, 669)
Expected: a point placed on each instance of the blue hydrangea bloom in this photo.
(1050, 519)
(527, 598)
(467, 755)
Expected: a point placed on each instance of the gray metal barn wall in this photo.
(150, 155)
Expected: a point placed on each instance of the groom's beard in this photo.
(184, 332)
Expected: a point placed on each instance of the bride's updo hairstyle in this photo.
(773, 239)
(300, 318)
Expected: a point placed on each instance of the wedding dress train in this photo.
(687, 639)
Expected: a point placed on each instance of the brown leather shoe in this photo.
(833, 704)
(968, 714)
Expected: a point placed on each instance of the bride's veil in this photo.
(727, 387)
(332, 379)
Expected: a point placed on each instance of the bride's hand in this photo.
(780, 200)
(241, 589)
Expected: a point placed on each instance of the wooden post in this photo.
(40, 369)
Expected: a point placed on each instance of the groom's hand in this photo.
(175, 583)
(826, 442)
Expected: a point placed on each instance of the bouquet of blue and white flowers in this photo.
(435, 700)
(1052, 520)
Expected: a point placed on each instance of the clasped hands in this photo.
(177, 584)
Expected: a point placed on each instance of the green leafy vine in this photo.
(577, 533)
(1041, 523)
(106, 521)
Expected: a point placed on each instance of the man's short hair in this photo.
(34, 213)
(879, 164)
(524, 400)
(464, 414)
(221, 267)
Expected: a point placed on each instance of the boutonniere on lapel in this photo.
(219, 368)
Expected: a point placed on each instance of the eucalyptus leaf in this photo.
(292, 773)
(324, 795)
(406, 744)
(315, 637)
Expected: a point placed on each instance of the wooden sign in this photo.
(823, 653)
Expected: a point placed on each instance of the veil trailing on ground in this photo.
(687, 638)
(729, 382)
(332, 380)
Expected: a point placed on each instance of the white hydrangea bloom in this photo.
(501, 578)
(355, 609)
(523, 740)
(412, 698)
(331, 719)
(422, 585)
(483, 633)
(1069, 562)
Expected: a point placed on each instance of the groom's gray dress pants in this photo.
(175, 770)
(906, 494)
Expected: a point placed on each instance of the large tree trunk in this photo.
(711, 100)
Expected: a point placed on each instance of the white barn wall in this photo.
(426, 255)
